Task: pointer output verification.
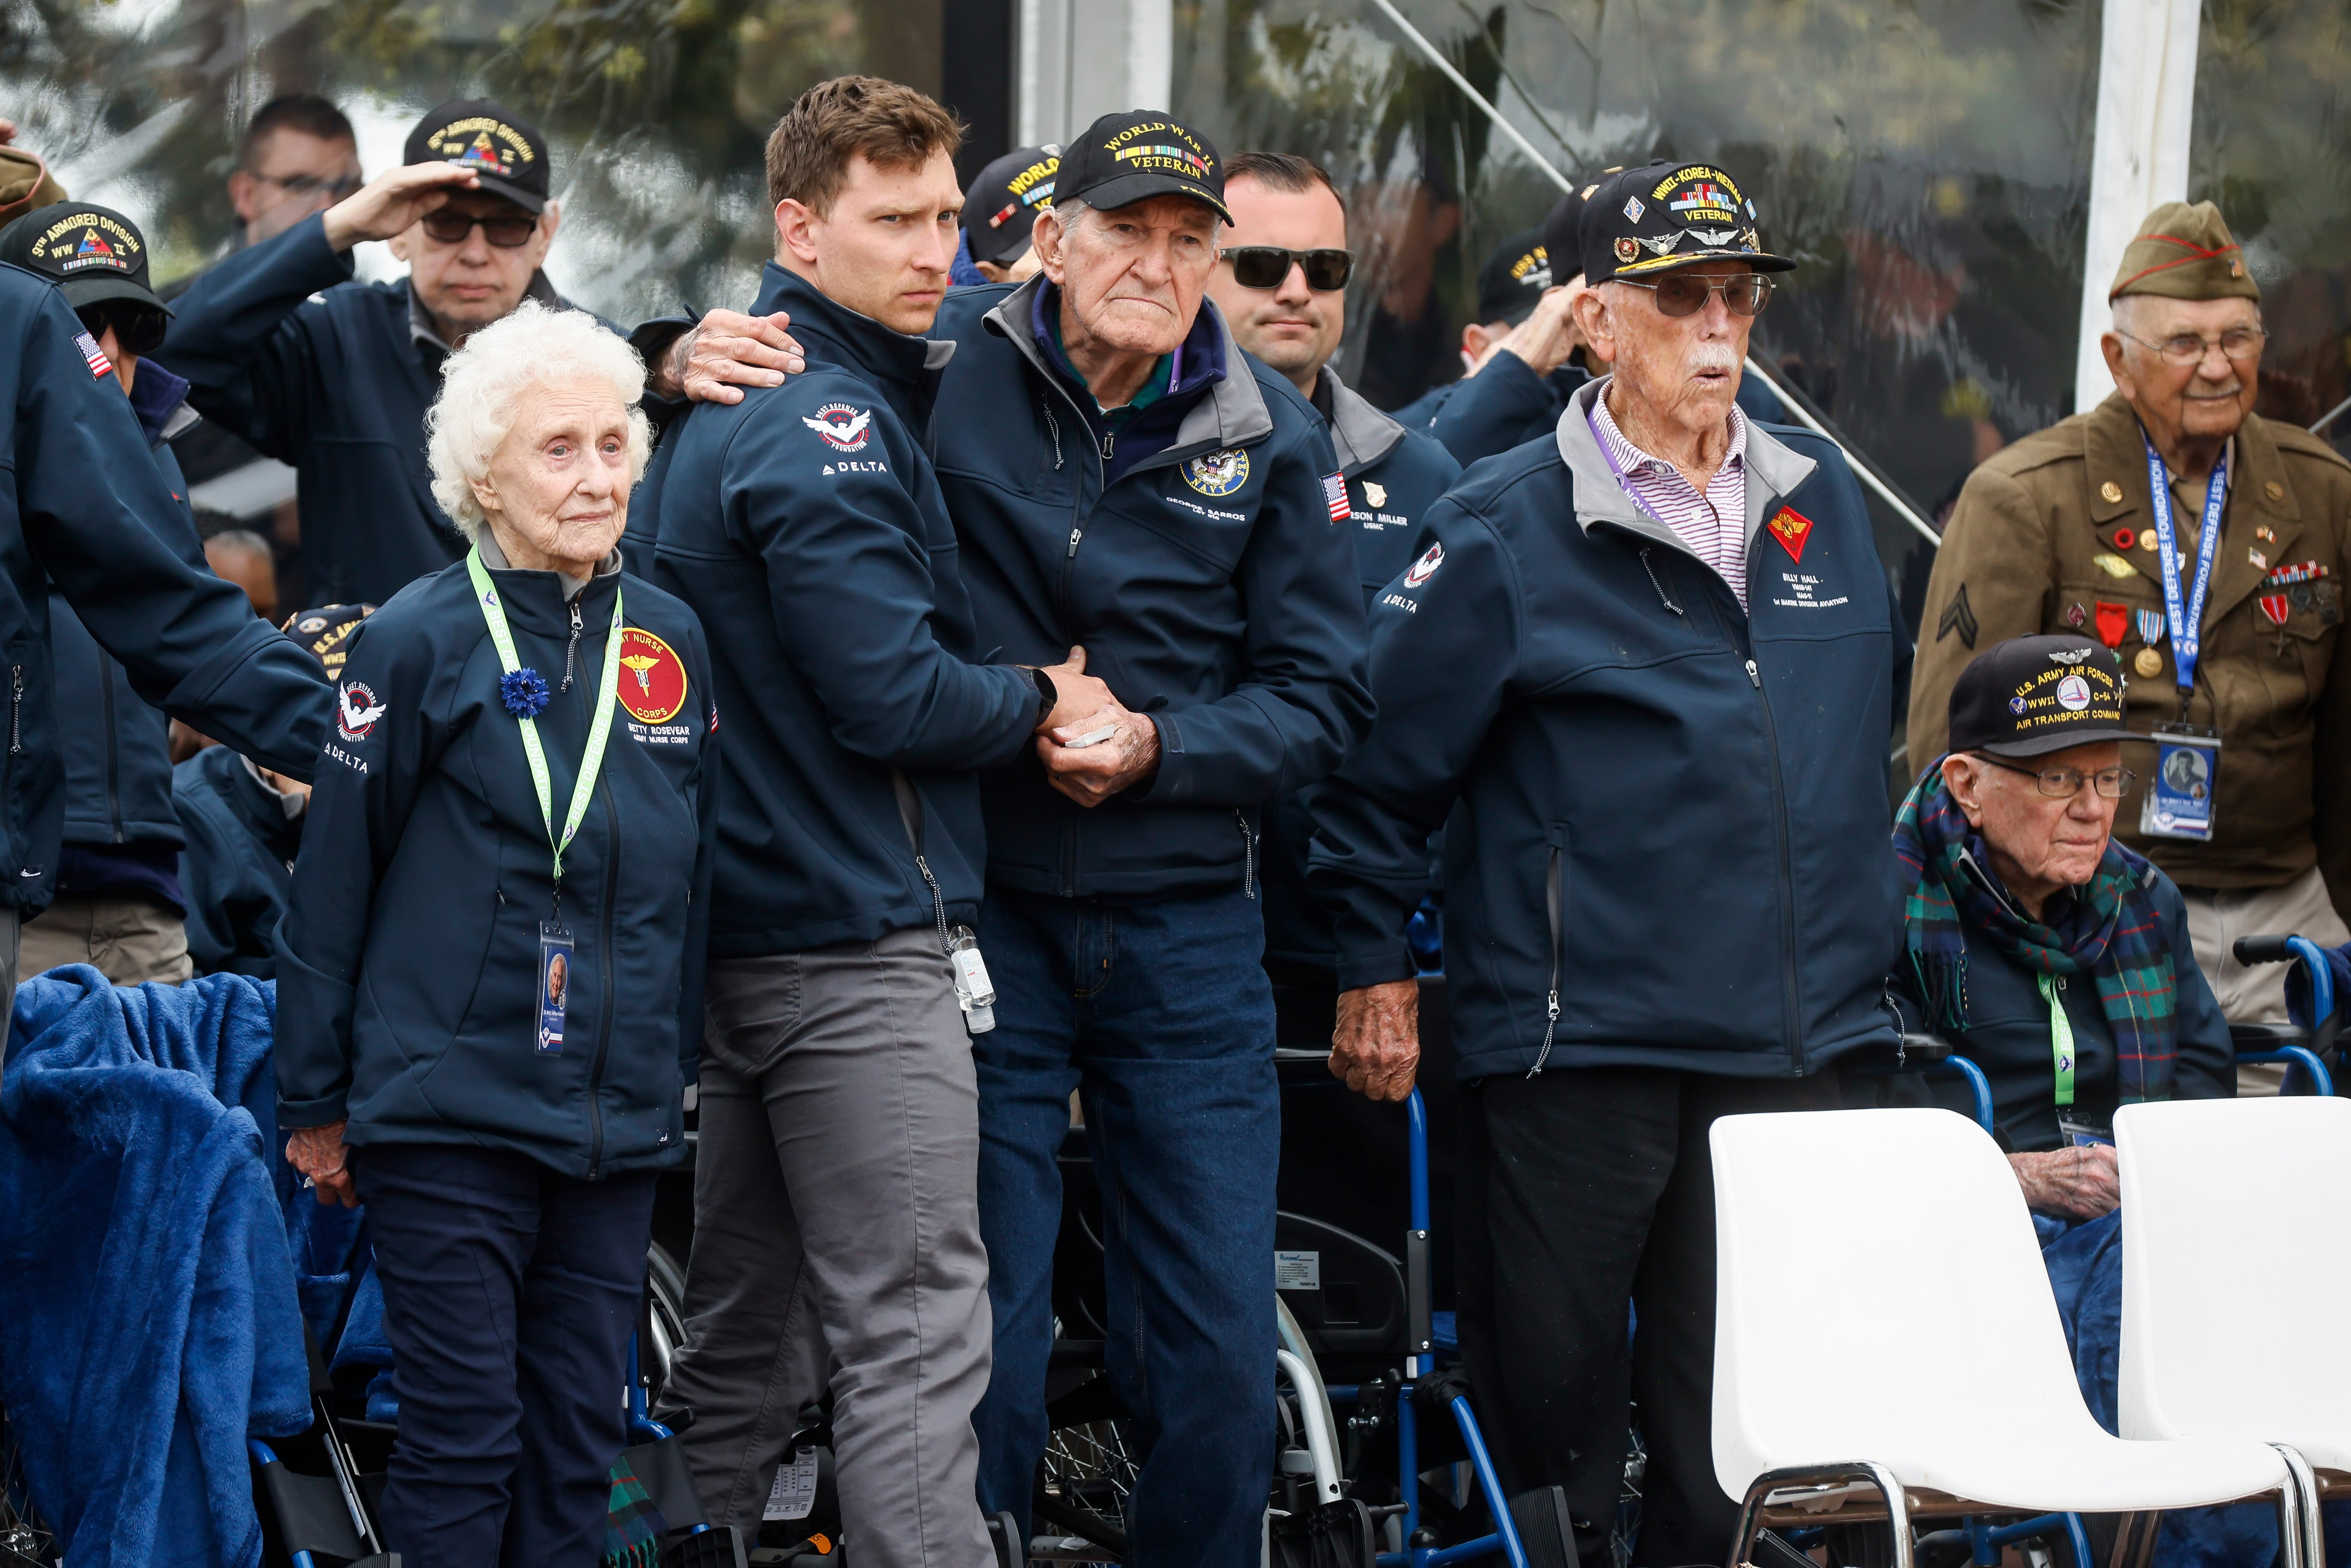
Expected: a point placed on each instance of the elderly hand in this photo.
(387, 204)
(715, 359)
(1375, 1046)
(1092, 773)
(320, 1154)
(1076, 694)
(2080, 1183)
(1545, 338)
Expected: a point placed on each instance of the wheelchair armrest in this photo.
(1925, 1048)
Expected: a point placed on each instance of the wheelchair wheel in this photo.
(23, 1538)
(665, 1281)
(1087, 1472)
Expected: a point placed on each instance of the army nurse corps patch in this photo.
(652, 686)
(1791, 528)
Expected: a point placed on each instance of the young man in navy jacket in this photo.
(1123, 475)
(1647, 666)
(838, 1134)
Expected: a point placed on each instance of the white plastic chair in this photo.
(1924, 1373)
(2237, 1221)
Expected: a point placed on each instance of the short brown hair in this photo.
(891, 124)
(1281, 172)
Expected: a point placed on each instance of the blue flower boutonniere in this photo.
(524, 692)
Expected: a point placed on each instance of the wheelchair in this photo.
(1360, 1334)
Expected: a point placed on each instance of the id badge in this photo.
(2178, 800)
(2079, 1134)
(554, 984)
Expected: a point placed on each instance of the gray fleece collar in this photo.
(1362, 433)
(1773, 471)
(573, 587)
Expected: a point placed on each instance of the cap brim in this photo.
(88, 290)
(2043, 745)
(1129, 189)
(1756, 260)
(531, 201)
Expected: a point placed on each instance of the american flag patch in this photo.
(1334, 491)
(100, 367)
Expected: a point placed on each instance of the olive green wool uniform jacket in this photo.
(2036, 544)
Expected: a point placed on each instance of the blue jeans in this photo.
(1161, 1015)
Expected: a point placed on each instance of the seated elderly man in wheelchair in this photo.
(2053, 956)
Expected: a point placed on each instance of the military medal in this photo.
(2149, 664)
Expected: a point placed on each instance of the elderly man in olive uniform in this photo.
(2208, 546)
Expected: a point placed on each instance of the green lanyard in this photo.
(2060, 1040)
(592, 761)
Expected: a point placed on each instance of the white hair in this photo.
(483, 385)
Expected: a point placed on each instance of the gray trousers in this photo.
(837, 1241)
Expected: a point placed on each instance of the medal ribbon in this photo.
(2187, 623)
(592, 760)
(2061, 1041)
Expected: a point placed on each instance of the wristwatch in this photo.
(1047, 698)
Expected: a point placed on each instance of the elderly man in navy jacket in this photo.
(1123, 475)
(1649, 665)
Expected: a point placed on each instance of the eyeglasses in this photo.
(1684, 293)
(2190, 348)
(2064, 783)
(1267, 266)
(334, 186)
(138, 328)
(505, 232)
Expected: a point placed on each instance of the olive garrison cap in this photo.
(2183, 252)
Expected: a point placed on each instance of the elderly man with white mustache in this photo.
(1646, 670)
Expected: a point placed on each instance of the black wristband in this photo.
(1047, 699)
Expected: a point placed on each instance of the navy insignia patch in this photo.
(1218, 473)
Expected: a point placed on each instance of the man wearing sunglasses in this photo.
(2219, 584)
(1646, 667)
(118, 903)
(334, 376)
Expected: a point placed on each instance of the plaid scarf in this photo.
(632, 1525)
(2116, 938)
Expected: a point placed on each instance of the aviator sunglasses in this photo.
(1684, 293)
(1265, 266)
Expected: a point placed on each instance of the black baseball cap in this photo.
(93, 253)
(1562, 239)
(1513, 278)
(1004, 201)
(2030, 696)
(325, 632)
(1665, 215)
(507, 153)
(1126, 157)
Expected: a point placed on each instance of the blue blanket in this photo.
(148, 1317)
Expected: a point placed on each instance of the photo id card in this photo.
(554, 984)
(2179, 801)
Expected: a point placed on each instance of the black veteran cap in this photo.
(1123, 159)
(325, 632)
(1004, 201)
(1562, 236)
(1513, 278)
(507, 154)
(1665, 215)
(2033, 695)
(93, 253)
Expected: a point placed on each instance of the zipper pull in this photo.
(15, 709)
(572, 648)
(1075, 535)
(1753, 679)
(1109, 440)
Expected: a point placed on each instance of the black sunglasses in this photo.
(453, 228)
(1684, 293)
(138, 329)
(1266, 265)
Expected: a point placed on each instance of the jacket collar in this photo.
(425, 334)
(905, 370)
(1775, 472)
(1232, 411)
(538, 596)
(160, 399)
(2114, 452)
(1362, 433)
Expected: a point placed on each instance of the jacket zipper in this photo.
(15, 709)
(1551, 1005)
(1789, 1021)
(605, 973)
(1248, 853)
(571, 649)
(113, 749)
(1061, 591)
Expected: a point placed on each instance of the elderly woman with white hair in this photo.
(489, 994)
